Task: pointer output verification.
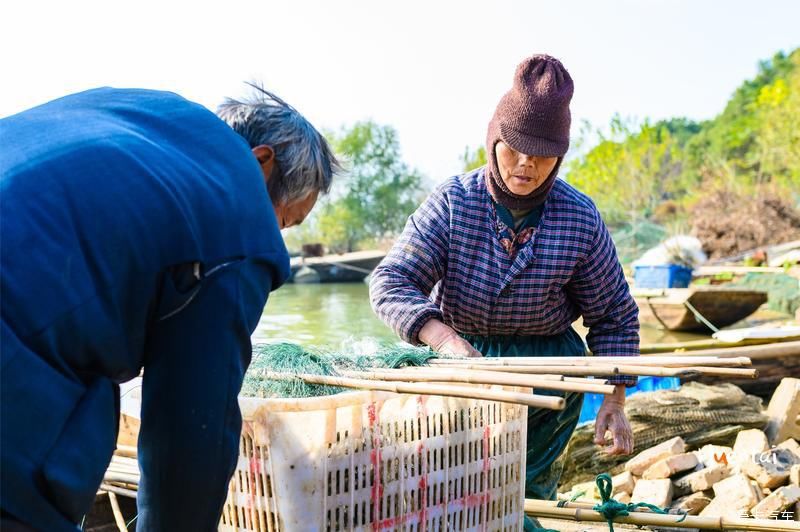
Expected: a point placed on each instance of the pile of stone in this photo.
(758, 477)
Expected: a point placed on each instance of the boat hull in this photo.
(672, 308)
(345, 268)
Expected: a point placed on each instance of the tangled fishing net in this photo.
(783, 290)
(699, 413)
(293, 359)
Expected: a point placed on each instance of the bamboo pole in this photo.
(754, 352)
(112, 498)
(585, 380)
(549, 509)
(119, 491)
(708, 343)
(468, 376)
(126, 450)
(115, 468)
(663, 361)
(116, 476)
(533, 401)
(607, 371)
(573, 379)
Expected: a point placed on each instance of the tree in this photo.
(753, 143)
(629, 172)
(377, 193)
(473, 159)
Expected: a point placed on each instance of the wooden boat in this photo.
(345, 268)
(697, 309)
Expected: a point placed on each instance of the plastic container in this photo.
(378, 461)
(664, 276)
(592, 401)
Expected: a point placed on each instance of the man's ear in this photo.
(266, 158)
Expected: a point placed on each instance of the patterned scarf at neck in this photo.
(513, 239)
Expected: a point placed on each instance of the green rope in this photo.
(612, 509)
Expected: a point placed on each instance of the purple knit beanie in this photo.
(532, 118)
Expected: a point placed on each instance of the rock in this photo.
(778, 501)
(783, 411)
(791, 445)
(733, 496)
(623, 483)
(667, 467)
(701, 480)
(770, 469)
(691, 504)
(648, 457)
(748, 443)
(713, 455)
(623, 497)
(794, 475)
(657, 492)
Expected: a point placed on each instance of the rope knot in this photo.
(611, 508)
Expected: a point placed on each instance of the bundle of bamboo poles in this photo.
(121, 478)
(566, 374)
(578, 511)
(122, 474)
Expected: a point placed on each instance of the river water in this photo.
(335, 315)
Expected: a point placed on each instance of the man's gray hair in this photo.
(304, 160)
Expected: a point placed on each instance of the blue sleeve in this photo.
(194, 367)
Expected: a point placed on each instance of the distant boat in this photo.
(693, 309)
(345, 268)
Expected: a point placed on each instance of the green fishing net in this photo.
(633, 239)
(294, 359)
(783, 290)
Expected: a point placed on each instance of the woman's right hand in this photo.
(444, 340)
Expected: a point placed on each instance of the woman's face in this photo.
(522, 173)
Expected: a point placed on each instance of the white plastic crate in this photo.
(378, 461)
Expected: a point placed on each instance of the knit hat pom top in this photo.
(533, 118)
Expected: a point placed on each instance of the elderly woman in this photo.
(502, 260)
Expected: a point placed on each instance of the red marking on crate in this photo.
(487, 432)
(375, 457)
(422, 412)
(393, 522)
(255, 466)
(469, 501)
(423, 485)
(255, 469)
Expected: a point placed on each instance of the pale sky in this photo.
(432, 69)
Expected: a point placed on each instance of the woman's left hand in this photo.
(611, 417)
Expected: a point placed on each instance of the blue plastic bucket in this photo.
(665, 276)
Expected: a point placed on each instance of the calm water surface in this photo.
(338, 314)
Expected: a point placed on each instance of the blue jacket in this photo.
(137, 232)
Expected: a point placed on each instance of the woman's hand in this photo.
(611, 417)
(444, 340)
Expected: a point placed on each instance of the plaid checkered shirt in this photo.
(449, 264)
